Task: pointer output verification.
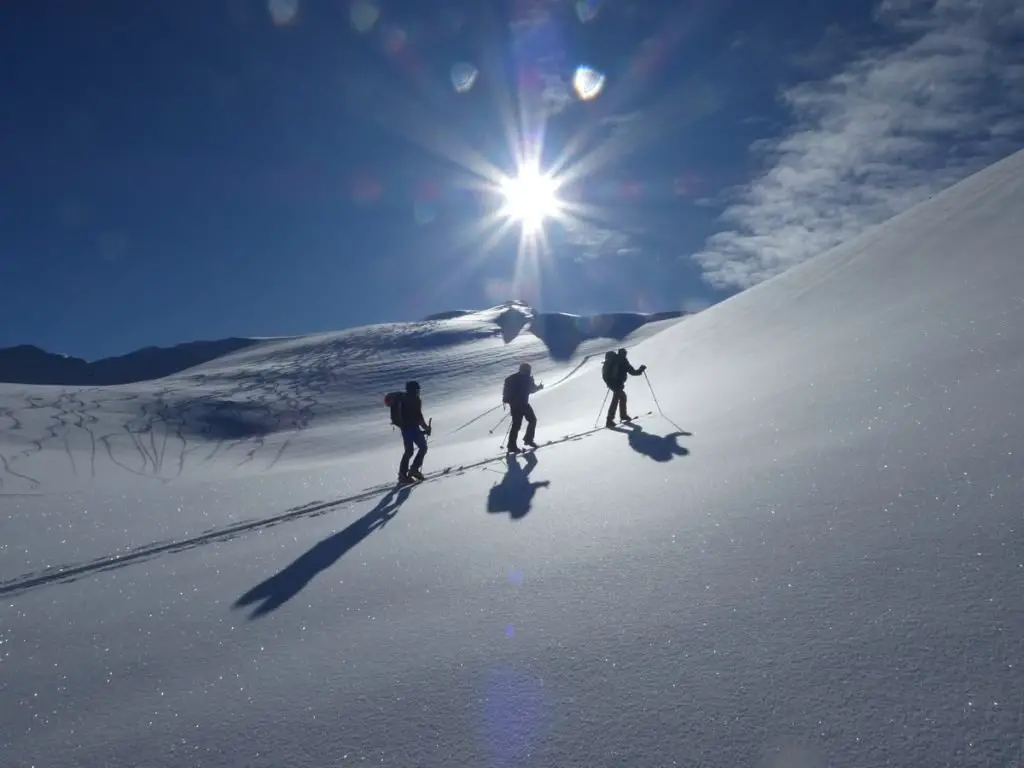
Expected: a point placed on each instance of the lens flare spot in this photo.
(424, 212)
(364, 14)
(587, 82)
(283, 12)
(515, 716)
(366, 188)
(586, 10)
(463, 76)
(395, 40)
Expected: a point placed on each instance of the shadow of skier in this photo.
(284, 585)
(657, 447)
(514, 494)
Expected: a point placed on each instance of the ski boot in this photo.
(416, 475)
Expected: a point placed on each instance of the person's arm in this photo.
(535, 387)
(420, 421)
(635, 371)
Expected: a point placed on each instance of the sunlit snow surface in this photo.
(822, 565)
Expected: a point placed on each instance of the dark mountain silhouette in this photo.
(28, 364)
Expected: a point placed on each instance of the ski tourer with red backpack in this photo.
(407, 414)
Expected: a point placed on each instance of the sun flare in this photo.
(530, 198)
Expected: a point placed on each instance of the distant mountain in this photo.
(561, 333)
(27, 364)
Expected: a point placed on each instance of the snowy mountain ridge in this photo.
(808, 554)
(563, 333)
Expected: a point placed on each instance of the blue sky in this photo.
(201, 169)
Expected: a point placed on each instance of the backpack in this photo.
(609, 370)
(395, 401)
(507, 390)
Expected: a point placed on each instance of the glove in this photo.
(643, 368)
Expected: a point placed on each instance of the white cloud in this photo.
(896, 125)
(591, 241)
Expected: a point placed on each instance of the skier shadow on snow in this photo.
(657, 447)
(514, 494)
(286, 584)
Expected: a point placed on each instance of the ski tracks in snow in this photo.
(158, 433)
(72, 572)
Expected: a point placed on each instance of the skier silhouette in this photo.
(614, 372)
(516, 394)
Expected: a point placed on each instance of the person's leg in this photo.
(513, 432)
(420, 441)
(623, 414)
(407, 439)
(616, 394)
(531, 424)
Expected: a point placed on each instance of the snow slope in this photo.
(819, 564)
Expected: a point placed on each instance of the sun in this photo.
(530, 198)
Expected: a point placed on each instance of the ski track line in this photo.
(70, 573)
(32, 482)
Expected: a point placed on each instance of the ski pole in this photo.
(457, 429)
(499, 424)
(598, 420)
(505, 438)
(666, 418)
(648, 380)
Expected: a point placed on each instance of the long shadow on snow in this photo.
(514, 494)
(657, 447)
(67, 573)
(286, 584)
